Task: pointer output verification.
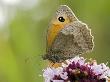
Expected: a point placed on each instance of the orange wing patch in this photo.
(52, 33)
(54, 30)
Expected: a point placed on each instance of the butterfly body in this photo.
(67, 36)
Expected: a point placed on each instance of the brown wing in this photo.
(73, 40)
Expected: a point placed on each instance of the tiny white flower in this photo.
(48, 74)
(58, 80)
(108, 72)
(81, 61)
(64, 75)
(64, 65)
(75, 59)
(97, 69)
(103, 76)
(68, 62)
(58, 70)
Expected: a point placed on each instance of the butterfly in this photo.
(67, 36)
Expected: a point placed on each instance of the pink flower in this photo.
(76, 69)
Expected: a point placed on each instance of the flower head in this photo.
(77, 69)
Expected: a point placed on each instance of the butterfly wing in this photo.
(74, 39)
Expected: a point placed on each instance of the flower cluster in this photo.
(77, 70)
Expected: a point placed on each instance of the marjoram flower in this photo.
(77, 70)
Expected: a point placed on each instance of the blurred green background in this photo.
(23, 25)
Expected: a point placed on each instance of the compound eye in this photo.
(61, 19)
